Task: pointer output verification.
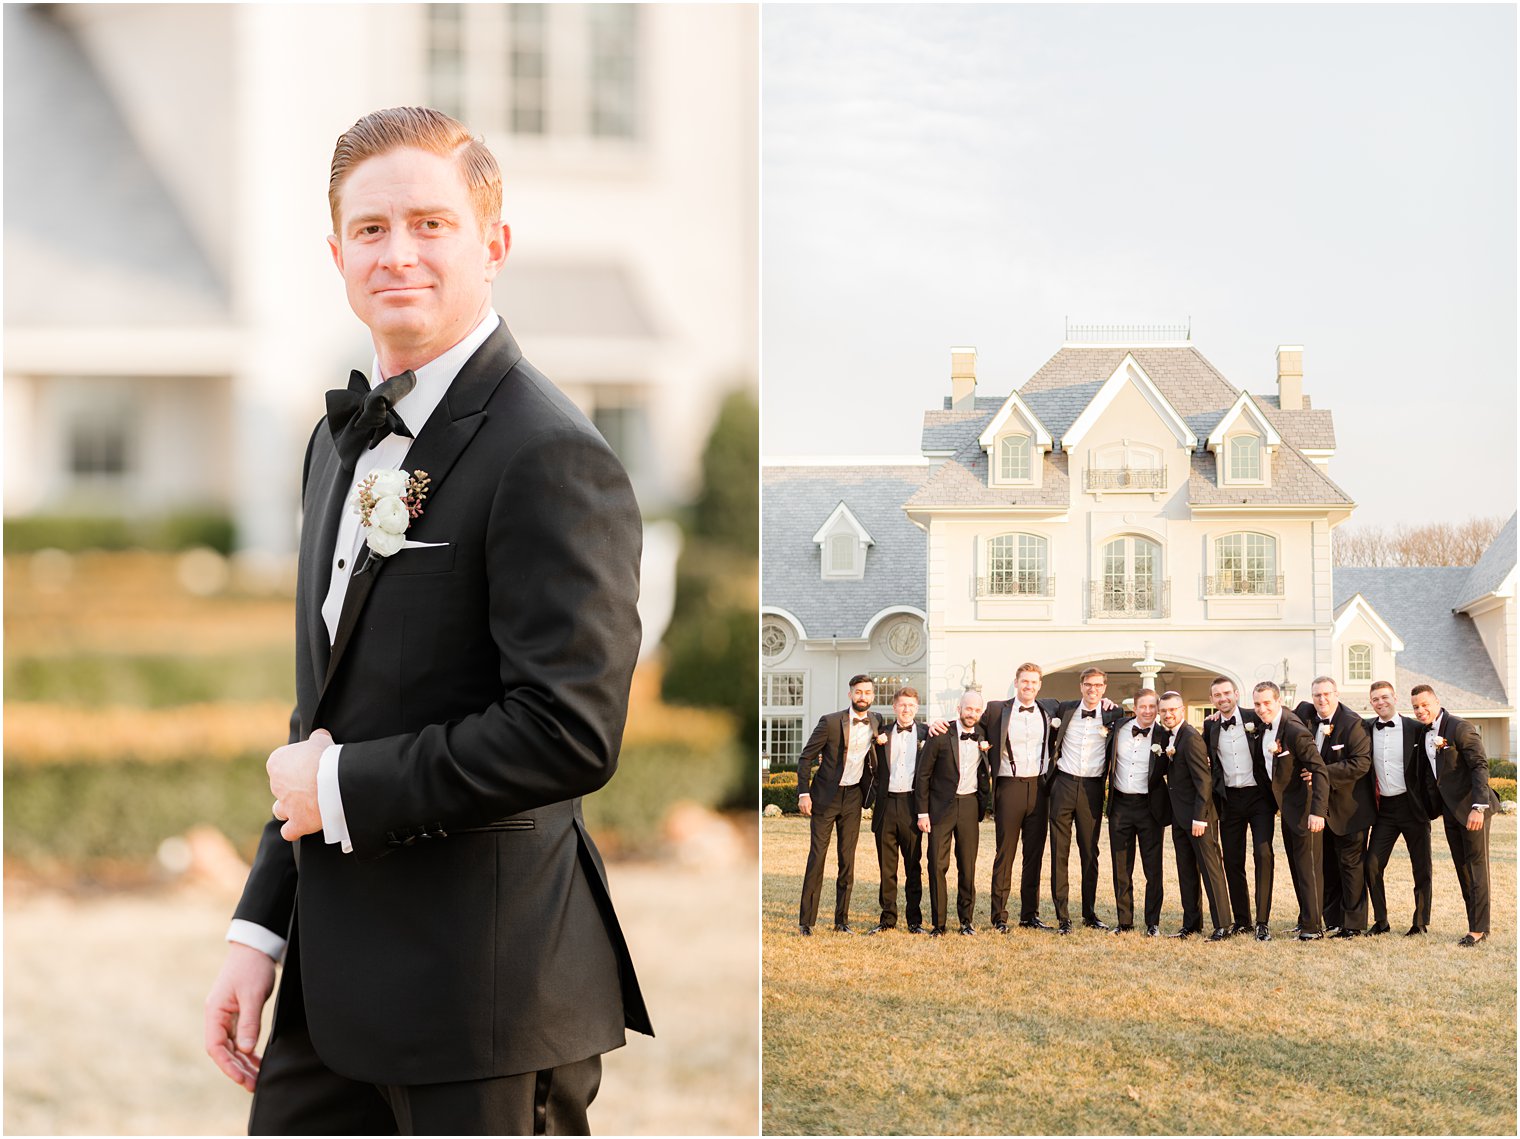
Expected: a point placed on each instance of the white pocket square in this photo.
(410, 545)
(1336, 747)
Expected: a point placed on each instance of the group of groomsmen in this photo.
(1345, 788)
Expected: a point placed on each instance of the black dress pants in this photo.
(897, 832)
(1303, 865)
(959, 824)
(1399, 817)
(1018, 812)
(1075, 801)
(1199, 858)
(843, 813)
(1469, 854)
(1130, 822)
(1344, 878)
(1248, 809)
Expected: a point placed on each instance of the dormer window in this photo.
(842, 543)
(1245, 458)
(1359, 662)
(1013, 458)
(844, 556)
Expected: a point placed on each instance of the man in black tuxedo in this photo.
(1195, 821)
(452, 960)
(894, 815)
(1019, 732)
(1455, 768)
(1139, 811)
(1347, 752)
(1286, 751)
(951, 793)
(844, 746)
(1402, 808)
(1244, 794)
(1075, 792)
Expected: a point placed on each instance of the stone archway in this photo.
(1191, 678)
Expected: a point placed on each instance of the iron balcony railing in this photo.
(1125, 478)
(1129, 598)
(1243, 585)
(1128, 333)
(1016, 585)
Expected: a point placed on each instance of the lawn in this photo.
(1031, 1033)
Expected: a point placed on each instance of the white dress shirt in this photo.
(1026, 742)
(1268, 742)
(414, 409)
(1388, 757)
(904, 755)
(1082, 745)
(1436, 729)
(1235, 752)
(1132, 771)
(969, 755)
(855, 750)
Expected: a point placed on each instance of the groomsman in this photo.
(1287, 751)
(951, 791)
(1456, 769)
(894, 820)
(1020, 734)
(1243, 791)
(1139, 811)
(1075, 795)
(842, 743)
(1195, 821)
(1402, 807)
(1347, 753)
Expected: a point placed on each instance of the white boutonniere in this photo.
(387, 502)
(1103, 731)
(1171, 750)
(881, 737)
(1322, 730)
(1250, 728)
(983, 745)
(1276, 747)
(1155, 749)
(1055, 721)
(1441, 744)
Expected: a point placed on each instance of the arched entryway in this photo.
(1191, 678)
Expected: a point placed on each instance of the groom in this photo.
(452, 960)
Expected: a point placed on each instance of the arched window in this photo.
(1016, 566)
(1013, 453)
(1131, 577)
(1245, 564)
(1245, 458)
(1358, 662)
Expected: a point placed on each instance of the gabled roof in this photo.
(962, 482)
(945, 431)
(1010, 405)
(793, 498)
(1245, 407)
(1128, 371)
(1295, 482)
(1442, 648)
(1067, 382)
(1308, 428)
(843, 512)
(1358, 605)
(1493, 569)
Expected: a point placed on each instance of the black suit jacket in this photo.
(1189, 779)
(1296, 800)
(829, 745)
(939, 774)
(881, 784)
(1461, 777)
(994, 724)
(1159, 801)
(479, 688)
(1250, 725)
(1416, 786)
(1347, 751)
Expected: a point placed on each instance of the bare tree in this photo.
(1428, 544)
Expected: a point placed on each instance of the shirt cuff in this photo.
(921, 818)
(330, 802)
(803, 795)
(1200, 823)
(1480, 806)
(255, 936)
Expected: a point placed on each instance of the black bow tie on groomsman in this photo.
(968, 735)
(1089, 714)
(1381, 724)
(1137, 732)
(909, 728)
(360, 418)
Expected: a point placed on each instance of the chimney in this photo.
(962, 379)
(1290, 377)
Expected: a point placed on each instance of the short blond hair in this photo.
(395, 128)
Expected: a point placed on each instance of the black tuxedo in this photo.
(1460, 781)
(1243, 809)
(951, 815)
(1019, 809)
(1137, 818)
(894, 821)
(1407, 815)
(1076, 801)
(470, 933)
(1296, 801)
(1190, 784)
(833, 806)
(1347, 752)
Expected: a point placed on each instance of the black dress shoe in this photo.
(1468, 940)
(1181, 934)
(1414, 931)
(1346, 934)
(843, 929)
(1095, 923)
(878, 928)
(1124, 929)
(805, 930)
(936, 933)
(1064, 928)
(1000, 927)
(1303, 936)
(915, 928)
(1033, 923)
(968, 931)
(1153, 931)
(1262, 932)
(1294, 932)
(1240, 927)
(1379, 927)
(1220, 934)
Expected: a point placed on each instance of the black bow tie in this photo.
(1381, 724)
(1324, 723)
(900, 728)
(1226, 725)
(357, 416)
(860, 719)
(1139, 731)
(968, 735)
(1089, 715)
(1031, 708)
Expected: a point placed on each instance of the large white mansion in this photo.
(1127, 507)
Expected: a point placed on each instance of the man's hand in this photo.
(938, 727)
(804, 804)
(923, 825)
(1316, 824)
(293, 783)
(233, 1008)
(1306, 776)
(1475, 820)
(1200, 829)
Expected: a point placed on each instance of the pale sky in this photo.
(1338, 177)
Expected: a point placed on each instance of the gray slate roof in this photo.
(1441, 648)
(1493, 567)
(1294, 479)
(1308, 427)
(795, 501)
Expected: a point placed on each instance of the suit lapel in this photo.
(329, 489)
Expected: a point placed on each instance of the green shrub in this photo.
(648, 780)
(782, 779)
(1501, 769)
(1504, 788)
(783, 796)
(98, 679)
(75, 532)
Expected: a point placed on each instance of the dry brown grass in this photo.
(1038, 1034)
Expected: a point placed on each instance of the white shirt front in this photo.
(1082, 745)
(1388, 757)
(1430, 743)
(1026, 742)
(1235, 752)
(855, 751)
(904, 757)
(969, 755)
(1268, 742)
(1132, 771)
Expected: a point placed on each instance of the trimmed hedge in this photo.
(1501, 769)
(1504, 788)
(74, 532)
(783, 796)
